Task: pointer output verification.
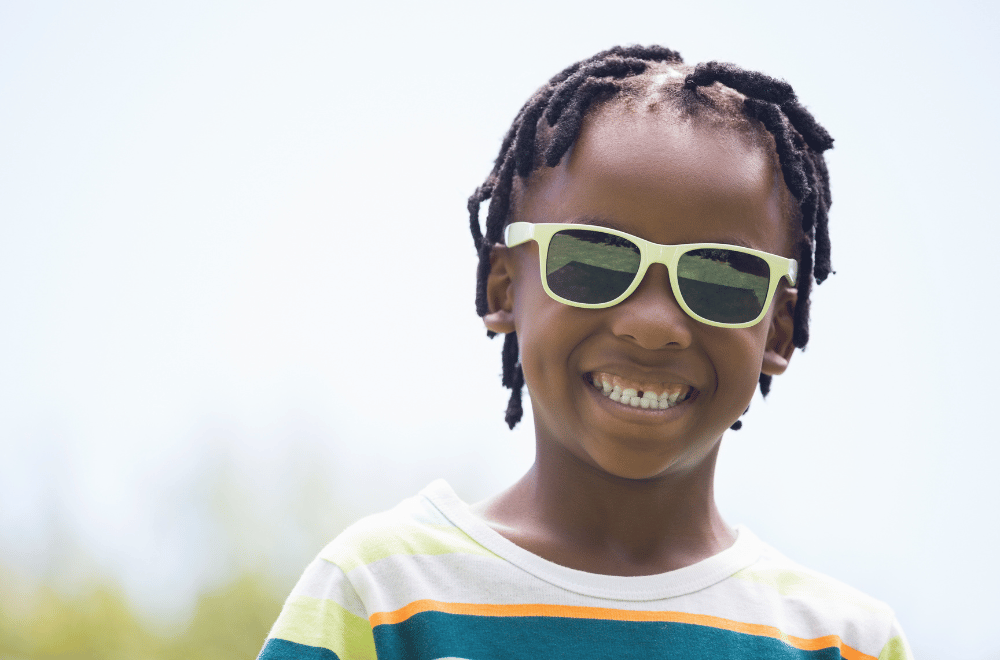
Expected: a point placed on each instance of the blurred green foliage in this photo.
(97, 624)
(75, 609)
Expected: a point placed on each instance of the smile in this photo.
(651, 396)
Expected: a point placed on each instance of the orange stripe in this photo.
(579, 612)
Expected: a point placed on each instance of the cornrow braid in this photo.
(567, 130)
(800, 142)
(563, 103)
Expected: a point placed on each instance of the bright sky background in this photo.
(234, 250)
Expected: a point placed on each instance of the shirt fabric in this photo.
(430, 580)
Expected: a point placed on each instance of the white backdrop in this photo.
(236, 284)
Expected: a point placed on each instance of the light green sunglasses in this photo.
(726, 286)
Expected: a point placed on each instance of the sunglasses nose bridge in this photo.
(659, 254)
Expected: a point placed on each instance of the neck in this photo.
(574, 514)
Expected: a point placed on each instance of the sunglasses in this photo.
(726, 286)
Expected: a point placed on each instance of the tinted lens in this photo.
(723, 285)
(590, 266)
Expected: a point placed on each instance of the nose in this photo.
(651, 316)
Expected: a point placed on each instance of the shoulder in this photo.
(824, 604)
(375, 565)
(415, 527)
(790, 580)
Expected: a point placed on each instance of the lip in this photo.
(638, 373)
(640, 415)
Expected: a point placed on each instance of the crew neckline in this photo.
(745, 551)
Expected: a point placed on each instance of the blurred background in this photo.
(236, 300)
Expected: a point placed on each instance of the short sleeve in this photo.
(897, 648)
(323, 619)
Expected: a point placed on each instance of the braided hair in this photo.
(753, 99)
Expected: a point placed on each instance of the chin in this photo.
(634, 471)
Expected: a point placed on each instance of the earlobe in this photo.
(779, 348)
(499, 292)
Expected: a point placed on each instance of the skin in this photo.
(615, 490)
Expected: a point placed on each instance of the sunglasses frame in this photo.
(650, 253)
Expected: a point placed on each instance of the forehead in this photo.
(665, 177)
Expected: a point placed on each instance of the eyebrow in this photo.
(608, 223)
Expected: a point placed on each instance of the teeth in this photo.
(648, 396)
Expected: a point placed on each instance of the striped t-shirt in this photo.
(430, 580)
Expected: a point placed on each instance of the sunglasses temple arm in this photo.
(793, 271)
(517, 233)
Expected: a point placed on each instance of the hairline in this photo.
(661, 89)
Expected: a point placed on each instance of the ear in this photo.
(499, 292)
(779, 348)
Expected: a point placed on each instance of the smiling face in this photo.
(670, 181)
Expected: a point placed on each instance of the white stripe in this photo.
(393, 583)
(324, 580)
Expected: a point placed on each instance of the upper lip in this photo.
(643, 375)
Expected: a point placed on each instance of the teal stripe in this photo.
(431, 635)
(280, 649)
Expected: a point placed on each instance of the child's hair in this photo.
(747, 100)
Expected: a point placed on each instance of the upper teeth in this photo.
(657, 396)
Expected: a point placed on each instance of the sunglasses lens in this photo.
(590, 267)
(725, 286)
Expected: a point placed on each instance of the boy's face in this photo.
(670, 182)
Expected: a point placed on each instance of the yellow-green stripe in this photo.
(380, 543)
(324, 623)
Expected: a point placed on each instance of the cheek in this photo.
(739, 362)
(533, 323)
(548, 333)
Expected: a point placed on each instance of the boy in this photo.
(648, 255)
